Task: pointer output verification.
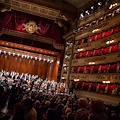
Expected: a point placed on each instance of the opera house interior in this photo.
(59, 59)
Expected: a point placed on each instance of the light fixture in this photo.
(58, 62)
(31, 57)
(0, 51)
(48, 60)
(9, 53)
(109, 42)
(44, 59)
(82, 15)
(87, 12)
(28, 57)
(35, 58)
(22, 56)
(80, 49)
(64, 64)
(100, 3)
(95, 30)
(13, 54)
(91, 63)
(18, 54)
(25, 56)
(92, 7)
(105, 81)
(112, 5)
(76, 79)
(4, 52)
(62, 77)
(40, 59)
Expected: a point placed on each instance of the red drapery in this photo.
(90, 53)
(112, 68)
(97, 52)
(110, 88)
(95, 69)
(81, 69)
(116, 29)
(79, 42)
(83, 54)
(106, 33)
(105, 51)
(93, 86)
(98, 36)
(77, 55)
(14, 20)
(75, 69)
(92, 38)
(79, 84)
(101, 88)
(114, 48)
(86, 86)
(73, 83)
(88, 69)
(103, 68)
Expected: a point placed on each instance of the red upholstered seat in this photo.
(114, 48)
(118, 89)
(105, 50)
(93, 86)
(103, 68)
(83, 54)
(110, 88)
(79, 84)
(77, 55)
(106, 33)
(92, 38)
(88, 69)
(98, 36)
(95, 69)
(86, 86)
(101, 88)
(97, 52)
(90, 53)
(116, 29)
(75, 69)
(79, 42)
(81, 69)
(112, 68)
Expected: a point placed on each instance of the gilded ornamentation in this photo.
(31, 27)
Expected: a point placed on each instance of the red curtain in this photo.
(106, 33)
(14, 20)
(83, 54)
(114, 48)
(88, 69)
(101, 88)
(93, 86)
(77, 55)
(97, 52)
(116, 29)
(103, 68)
(86, 86)
(105, 51)
(79, 42)
(75, 69)
(92, 38)
(110, 88)
(90, 53)
(95, 69)
(81, 69)
(112, 68)
(79, 84)
(98, 36)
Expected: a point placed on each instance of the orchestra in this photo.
(31, 82)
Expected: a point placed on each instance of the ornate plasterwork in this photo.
(31, 27)
(34, 9)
